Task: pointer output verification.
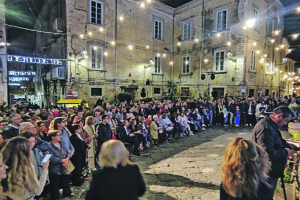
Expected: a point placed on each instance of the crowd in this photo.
(74, 136)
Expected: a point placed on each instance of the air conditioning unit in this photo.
(58, 25)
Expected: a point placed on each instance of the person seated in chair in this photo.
(127, 136)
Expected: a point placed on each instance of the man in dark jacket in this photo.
(104, 133)
(127, 136)
(266, 133)
(12, 130)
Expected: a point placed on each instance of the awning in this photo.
(71, 101)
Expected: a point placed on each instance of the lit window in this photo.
(96, 12)
(219, 60)
(96, 57)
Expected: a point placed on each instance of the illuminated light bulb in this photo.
(280, 71)
(295, 36)
(81, 36)
(205, 60)
(95, 48)
(142, 5)
(84, 52)
(105, 53)
(257, 51)
(262, 60)
(282, 46)
(171, 63)
(228, 43)
(218, 35)
(266, 55)
(164, 55)
(148, 1)
(2, 43)
(298, 9)
(90, 33)
(289, 50)
(158, 55)
(113, 43)
(186, 62)
(101, 29)
(272, 41)
(277, 48)
(147, 46)
(121, 18)
(130, 47)
(276, 70)
(178, 43)
(255, 44)
(245, 27)
(276, 32)
(196, 40)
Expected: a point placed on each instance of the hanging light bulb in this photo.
(276, 32)
(272, 40)
(218, 35)
(228, 43)
(95, 48)
(90, 33)
(255, 44)
(142, 5)
(295, 36)
(164, 55)
(121, 18)
(101, 29)
(171, 63)
(178, 43)
(158, 54)
(206, 60)
(148, 1)
(196, 40)
(277, 48)
(257, 51)
(105, 53)
(186, 62)
(113, 43)
(81, 36)
(147, 46)
(289, 50)
(282, 46)
(130, 47)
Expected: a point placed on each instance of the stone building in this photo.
(112, 46)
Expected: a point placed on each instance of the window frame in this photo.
(159, 31)
(222, 20)
(217, 68)
(253, 61)
(188, 70)
(256, 17)
(90, 10)
(186, 30)
(92, 50)
(157, 65)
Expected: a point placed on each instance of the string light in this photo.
(105, 53)
(262, 61)
(277, 48)
(81, 36)
(298, 9)
(121, 18)
(196, 40)
(255, 44)
(276, 32)
(282, 46)
(218, 35)
(266, 55)
(186, 62)
(164, 55)
(142, 5)
(101, 29)
(148, 1)
(178, 43)
(295, 36)
(130, 47)
(147, 47)
(95, 48)
(158, 54)
(90, 33)
(113, 43)
(171, 63)
(206, 60)
(272, 40)
(257, 51)
(289, 50)
(229, 44)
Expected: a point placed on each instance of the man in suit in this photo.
(127, 136)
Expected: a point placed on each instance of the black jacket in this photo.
(266, 133)
(110, 183)
(10, 132)
(104, 133)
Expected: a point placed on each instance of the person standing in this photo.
(12, 129)
(266, 133)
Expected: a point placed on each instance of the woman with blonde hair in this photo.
(245, 168)
(3, 175)
(90, 129)
(118, 178)
(21, 182)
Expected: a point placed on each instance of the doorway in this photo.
(218, 93)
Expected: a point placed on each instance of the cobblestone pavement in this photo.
(188, 168)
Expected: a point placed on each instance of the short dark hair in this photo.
(285, 111)
(104, 116)
(27, 134)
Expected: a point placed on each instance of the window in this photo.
(157, 65)
(267, 92)
(253, 61)
(219, 60)
(221, 20)
(158, 30)
(255, 14)
(251, 92)
(96, 57)
(185, 91)
(96, 91)
(96, 12)
(156, 90)
(268, 66)
(186, 64)
(186, 30)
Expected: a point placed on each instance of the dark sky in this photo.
(24, 13)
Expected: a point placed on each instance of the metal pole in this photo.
(201, 51)
(115, 39)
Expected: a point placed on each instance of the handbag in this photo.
(68, 168)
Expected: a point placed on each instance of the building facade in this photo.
(200, 49)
